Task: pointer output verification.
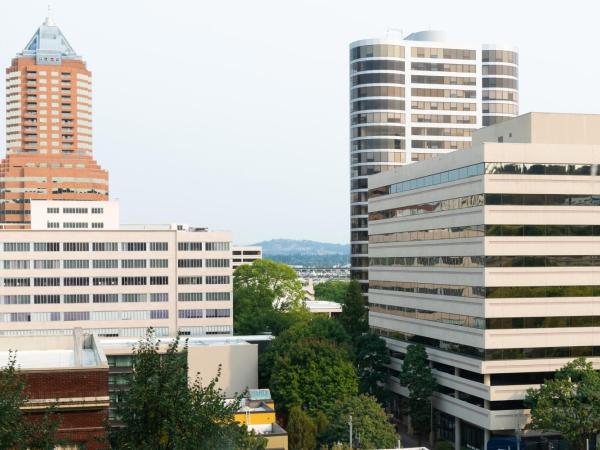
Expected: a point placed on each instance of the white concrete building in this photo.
(114, 281)
(414, 98)
(490, 257)
(245, 254)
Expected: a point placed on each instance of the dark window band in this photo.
(451, 290)
(432, 316)
(543, 261)
(542, 199)
(506, 323)
(542, 291)
(450, 204)
(430, 261)
(542, 230)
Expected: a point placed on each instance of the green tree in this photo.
(316, 327)
(354, 316)
(369, 421)
(267, 296)
(332, 290)
(417, 377)
(372, 358)
(312, 374)
(568, 403)
(162, 411)
(301, 430)
(17, 432)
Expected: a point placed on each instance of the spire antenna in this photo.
(49, 22)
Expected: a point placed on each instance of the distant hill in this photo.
(306, 253)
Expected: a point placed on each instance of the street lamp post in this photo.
(350, 425)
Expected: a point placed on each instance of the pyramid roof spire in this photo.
(49, 45)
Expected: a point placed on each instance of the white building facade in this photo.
(490, 257)
(413, 99)
(245, 254)
(113, 282)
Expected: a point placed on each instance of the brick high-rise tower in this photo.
(48, 129)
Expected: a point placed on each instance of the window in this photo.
(45, 299)
(159, 263)
(46, 246)
(76, 246)
(183, 263)
(73, 225)
(105, 246)
(53, 225)
(76, 315)
(105, 263)
(52, 210)
(134, 298)
(15, 300)
(97, 210)
(75, 210)
(218, 312)
(46, 264)
(97, 225)
(189, 246)
(76, 298)
(159, 280)
(159, 246)
(133, 281)
(190, 314)
(217, 263)
(218, 296)
(16, 246)
(217, 246)
(133, 263)
(189, 296)
(16, 264)
(106, 298)
(76, 281)
(76, 264)
(133, 246)
(159, 314)
(159, 297)
(48, 281)
(217, 279)
(106, 281)
(189, 280)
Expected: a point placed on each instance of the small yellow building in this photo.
(257, 412)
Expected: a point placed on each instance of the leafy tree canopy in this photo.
(162, 411)
(312, 374)
(301, 430)
(372, 357)
(17, 432)
(332, 290)
(262, 292)
(417, 377)
(568, 403)
(354, 316)
(315, 327)
(370, 423)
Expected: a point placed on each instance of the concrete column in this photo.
(456, 433)
(486, 438)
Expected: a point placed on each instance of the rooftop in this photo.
(48, 40)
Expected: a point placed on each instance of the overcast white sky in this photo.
(234, 114)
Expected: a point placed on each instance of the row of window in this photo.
(84, 281)
(200, 296)
(377, 143)
(490, 94)
(462, 232)
(112, 246)
(443, 67)
(377, 91)
(486, 121)
(434, 79)
(500, 108)
(542, 230)
(500, 56)
(364, 171)
(542, 199)
(444, 118)
(507, 83)
(377, 117)
(445, 53)
(75, 225)
(200, 313)
(444, 106)
(432, 316)
(445, 93)
(83, 298)
(505, 323)
(377, 51)
(429, 288)
(438, 145)
(456, 132)
(446, 176)
(84, 263)
(72, 316)
(378, 157)
(469, 201)
(377, 78)
(386, 104)
(377, 130)
(432, 261)
(502, 168)
(377, 64)
(209, 279)
(494, 69)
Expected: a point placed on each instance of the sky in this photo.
(234, 114)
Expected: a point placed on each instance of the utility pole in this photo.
(350, 425)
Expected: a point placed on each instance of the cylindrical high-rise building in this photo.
(414, 98)
(48, 129)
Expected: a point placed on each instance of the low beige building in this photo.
(245, 254)
(491, 258)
